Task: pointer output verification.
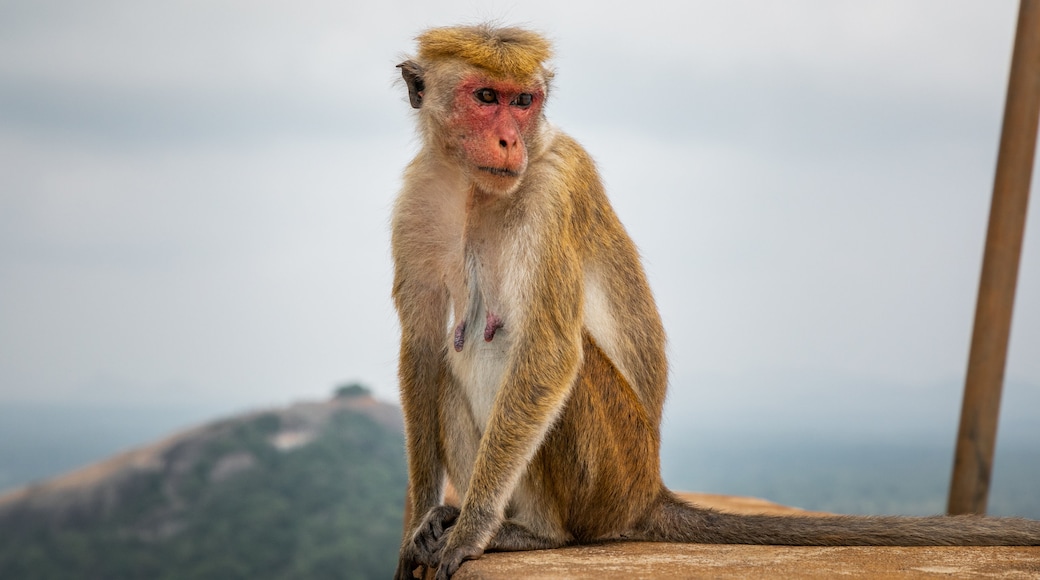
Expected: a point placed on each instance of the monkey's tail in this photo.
(673, 520)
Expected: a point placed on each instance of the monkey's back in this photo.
(620, 311)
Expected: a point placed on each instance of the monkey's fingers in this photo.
(428, 539)
(453, 559)
(416, 554)
(428, 548)
(437, 520)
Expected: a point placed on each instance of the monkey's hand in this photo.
(466, 540)
(453, 555)
(423, 547)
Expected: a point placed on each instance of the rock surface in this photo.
(665, 561)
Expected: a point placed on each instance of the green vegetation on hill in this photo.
(352, 390)
(233, 505)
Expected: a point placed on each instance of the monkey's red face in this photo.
(492, 120)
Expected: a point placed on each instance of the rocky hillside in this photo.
(311, 491)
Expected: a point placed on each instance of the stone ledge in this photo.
(665, 561)
(655, 560)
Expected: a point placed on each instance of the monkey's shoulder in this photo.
(567, 159)
(576, 183)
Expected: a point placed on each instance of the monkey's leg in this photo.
(514, 537)
(460, 434)
(422, 373)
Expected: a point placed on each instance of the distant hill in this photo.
(312, 491)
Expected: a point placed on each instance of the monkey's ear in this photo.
(412, 74)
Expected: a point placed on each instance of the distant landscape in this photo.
(41, 440)
(852, 477)
(315, 489)
(870, 459)
(310, 491)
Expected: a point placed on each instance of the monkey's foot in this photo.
(424, 546)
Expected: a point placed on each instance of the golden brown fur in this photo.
(512, 52)
(532, 361)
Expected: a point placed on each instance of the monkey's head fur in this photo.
(480, 91)
(502, 52)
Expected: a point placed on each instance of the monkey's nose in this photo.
(508, 141)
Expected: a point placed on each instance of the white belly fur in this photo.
(480, 367)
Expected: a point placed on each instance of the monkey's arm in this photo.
(422, 309)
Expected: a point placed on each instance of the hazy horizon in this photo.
(879, 462)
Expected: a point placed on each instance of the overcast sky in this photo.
(194, 195)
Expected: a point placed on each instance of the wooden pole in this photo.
(976, 440)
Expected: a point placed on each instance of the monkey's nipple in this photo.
(493, 324)
(460, 336)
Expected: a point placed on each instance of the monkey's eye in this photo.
(486, 96)
(523, 100)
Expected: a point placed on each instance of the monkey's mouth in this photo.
(500, 172)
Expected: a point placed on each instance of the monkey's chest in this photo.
(480, 338)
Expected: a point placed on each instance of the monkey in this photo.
(532, 360)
